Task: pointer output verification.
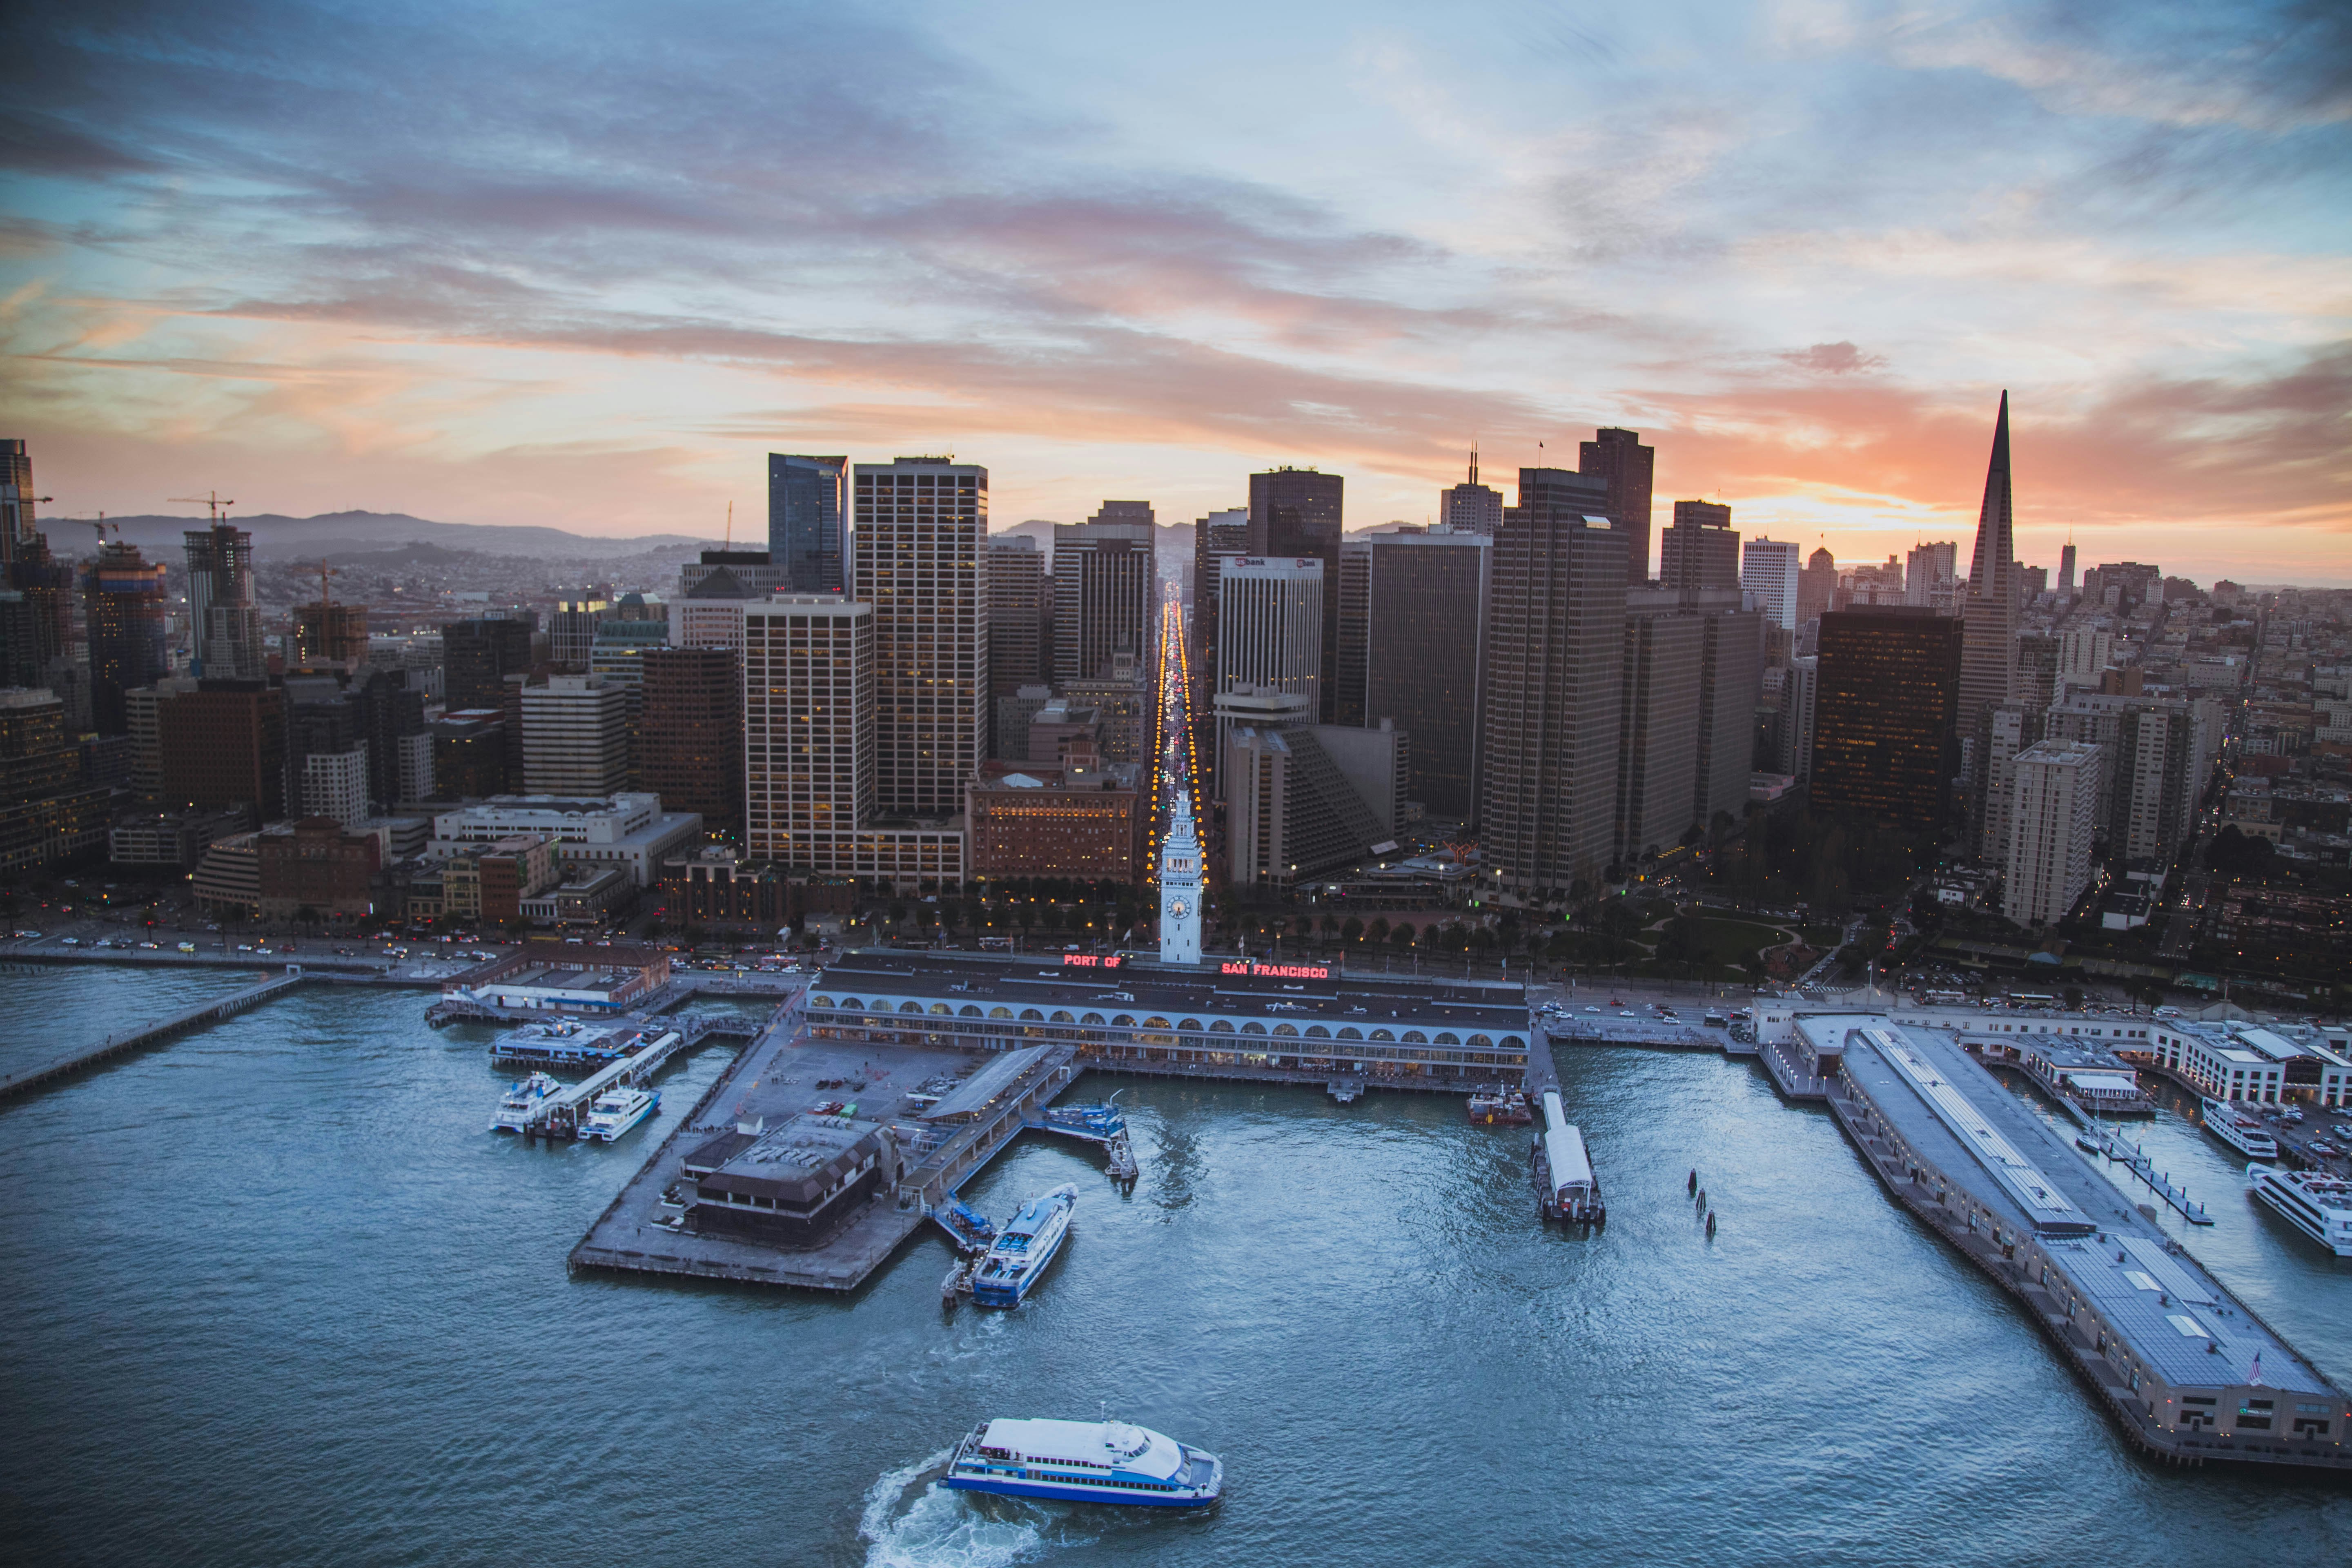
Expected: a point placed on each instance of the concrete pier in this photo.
(138, 1039)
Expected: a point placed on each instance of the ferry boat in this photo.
(1085, 1461)
(2240, 1129)
(515, 1110)
(616, 1110)
(2316, 1205)
(1500, 1108)
(1023, 1249)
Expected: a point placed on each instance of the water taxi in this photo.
(521, 1101)
(2240, 1128)
(1023, 1248)
(1085, 1461)
(616, 1110)
(2318, 1206)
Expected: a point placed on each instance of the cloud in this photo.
(1835, 359)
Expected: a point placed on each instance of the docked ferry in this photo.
(522, 1101)
(1500, 1108)
(2318, 1206)
(1023, 1248)
(1085, 1461)
(616, 1110)
(2241, 1130)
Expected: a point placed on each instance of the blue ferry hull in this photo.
(996, 1295)
(1078, 1494)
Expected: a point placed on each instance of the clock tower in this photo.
(1180, 888)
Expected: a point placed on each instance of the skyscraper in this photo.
(689, 742)
(1888, 681)
(1270, 626)
(18, 526)
(922, 526)
(575, 736)
(1657, 722)
(1428, 593)
(1471, 507)
(1619, 457)
(124, 610)
(2066, 568)
(1106, 591)
(1816, 586)
(1988, 617)
(477, 656)
(1768, 568)
(1019, 652)
(808, 505)
(1297, 512)
(1555, 658)
(1931, 576)
(224, 621)
(2048, 858)
(1699, 549)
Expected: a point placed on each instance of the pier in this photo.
(138, 1039)
(557, 1115)
(2134, 1160)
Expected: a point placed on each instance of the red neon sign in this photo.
(1276, 971)
(1094, 960)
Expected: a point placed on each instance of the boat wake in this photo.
(913, 1520)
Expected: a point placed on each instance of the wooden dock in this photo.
(138, 1039)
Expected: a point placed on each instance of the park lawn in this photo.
(1729, 941)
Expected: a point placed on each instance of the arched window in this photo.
(1191, 1023)
(1318, 1032)
(1481, 1043)
(1156, 1024)
(941, 1009)
(1094, 1017)
(821, 1001)
(1221, 1027)
(910, 1007)
(1124, 1021)
(1351, 1033)
(1448, 1039)
(1382, 1035)
(853, 1004)
(1031, 1015)
(1513, 1043)
(1063, 1019)
(967, 1011)
(999, 1012)
(1290, 1029)
(1415, 1037)
(1253, 1028)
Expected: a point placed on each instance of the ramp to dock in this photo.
(138, 1039)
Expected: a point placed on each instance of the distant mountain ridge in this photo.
(277, 537)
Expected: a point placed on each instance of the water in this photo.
(275, 1296)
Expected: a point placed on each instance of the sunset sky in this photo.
(582, 263)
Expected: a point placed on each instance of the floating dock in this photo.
(2189, 1372)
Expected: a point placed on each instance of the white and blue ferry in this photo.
(1085, 1461)
(1023, 1249)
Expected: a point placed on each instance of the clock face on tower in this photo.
(1179, 909)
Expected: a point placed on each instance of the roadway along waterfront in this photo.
(276, 1296)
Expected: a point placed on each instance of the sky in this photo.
(583, 265)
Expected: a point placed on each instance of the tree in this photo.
(1401, 934)
(1352, 930)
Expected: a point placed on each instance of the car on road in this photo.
(187, 947)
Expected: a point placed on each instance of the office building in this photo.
(1470, 507)
(224, 620)
(1619, 458)
(1989, 657)
(1793, 738)
(617, 656)
(326, 633)
(176, 840)
(808, 506)
(2037, 670)
(1816, 586)
(1270, 625)
(922, 528)
(750, 571)
(812, 800)
(2066, 568)
(469, 757)
(1768, 569)
(1308, 799)
(571, 632)
(1730, 683)
(1214, 537)
(1020, 622)
(1555, 665)
(1354, 646)
(1657, 723)
(575, 736)
(1931, 576)
(1889, 683)
(1128, 706)
(315, 867)
(125, 610)
(1426, 669)
(478, 655)
(2047, 866)
(1014, 716)
(1244, 706)
(334, 784)
(389, 712)
(223, 744)
(1296, 512)
(2084, 654)
(690, 738)
(1084, 823)
(19, 528)
(49, 810)
(710, 612)
(1699, 549)
(629, 832)
(1106, 591)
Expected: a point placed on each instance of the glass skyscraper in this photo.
(808, 500)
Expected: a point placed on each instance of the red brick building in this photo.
(689, 742)
(224, 744)
(1048, 822)
(314, 866)
(712, 887)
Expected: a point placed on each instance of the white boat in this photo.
(521, 1101)
(2240, 1128)
(1023, 1248)
(2318, 1206)
(1085, 1461)
(616, 1110)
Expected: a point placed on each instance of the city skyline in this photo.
(1800, 249)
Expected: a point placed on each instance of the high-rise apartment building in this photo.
(35, 589)
(2053, 816)
(1989, 657)
(1931, 576)
(690, 738)
(1889, 682)
(922, 528)
(1297, 512)
(808, 506)
(2083, 653)
(478, 655)
(1699, 549)
(2007, 730)
(125, 608)
(1768, 569)
(1470, 507)
(1629, 467)
(1426, 669)
(1106, 591)
(1270, 626)
(575, 736)
(2156, 755)
(1555, 665)
(335, 784)
(224, 620)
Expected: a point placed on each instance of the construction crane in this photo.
(102, 525)
(210, 500)
(325, 572)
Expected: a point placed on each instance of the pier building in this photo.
(1233, 1018)
(2186, 1370)
(795, 1185)
(566, 978)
